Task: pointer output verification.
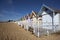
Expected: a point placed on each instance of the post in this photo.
(38, 28)
(27, 27)
(34, 30)
(53, 21)
(34, 26)
(38, 32)
(47, 32)
(27, 24)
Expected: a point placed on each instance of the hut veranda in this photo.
(45, 22)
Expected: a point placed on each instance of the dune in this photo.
(11, 31)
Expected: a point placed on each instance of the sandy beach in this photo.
(11, 31)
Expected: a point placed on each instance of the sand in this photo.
(11, 31)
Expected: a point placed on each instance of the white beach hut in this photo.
(50, 18)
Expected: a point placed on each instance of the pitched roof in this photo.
(34, 12)
(51, 8)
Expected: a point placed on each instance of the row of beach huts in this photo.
(44, 22)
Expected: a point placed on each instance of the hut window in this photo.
(55, 13)
(40, 19)
(50, 12)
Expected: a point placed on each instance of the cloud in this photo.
(4, 11)
(10, 1)
(5, 14)
(1, 15)
(12, 13)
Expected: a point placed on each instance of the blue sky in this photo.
(15, 9)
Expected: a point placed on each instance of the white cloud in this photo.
(10, 13)
(4, 11)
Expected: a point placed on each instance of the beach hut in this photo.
(34, 20)
(50, 18)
